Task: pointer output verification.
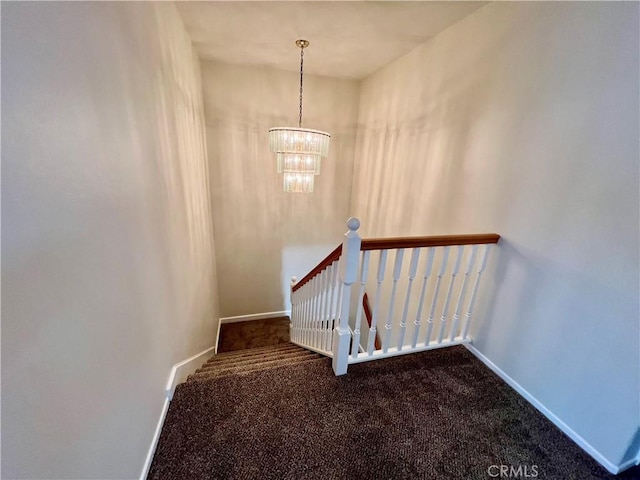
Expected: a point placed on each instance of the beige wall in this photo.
(523, 119)
(263, 235)
(108, 268)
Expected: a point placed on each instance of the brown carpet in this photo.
(253, 334)
(252, 360)
(435, 415)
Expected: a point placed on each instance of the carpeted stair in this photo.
(242, 362)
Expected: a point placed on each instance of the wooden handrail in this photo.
(329, 259)
(402, 242)
(432, 241)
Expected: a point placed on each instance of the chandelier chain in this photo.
(301, 64)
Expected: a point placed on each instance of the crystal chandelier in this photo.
(299, 150)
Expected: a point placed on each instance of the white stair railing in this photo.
(315, 305)
(327, 318)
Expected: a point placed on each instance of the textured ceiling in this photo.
(348, 39)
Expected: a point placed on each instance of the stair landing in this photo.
(253, 334)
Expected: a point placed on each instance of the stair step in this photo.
(235, 370)
(254, 351)
(217, 359)
(257, 361)
(243, 371)
(245, 361)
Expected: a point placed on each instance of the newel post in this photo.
(348, 271)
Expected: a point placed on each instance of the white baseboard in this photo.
(582, 443)
(154, 441)
(217, 337)
(179, 372)
(255, 316)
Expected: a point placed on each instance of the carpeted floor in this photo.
(436, 415)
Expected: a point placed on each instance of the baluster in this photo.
(415, 255)
(483, 263)
(434, 300)
(332, 295)
(445, 308)
(348, 274)
(303, 306)
(300, 294)
(294, 307)
(397, 268)
(327, 300)
(332, 280)
(305, 317)
(323, 319)
(364, 270)
(309, 312)
(425, 279)
(463, 290)
(314, 310)
(318, 319)
(299, 313)
(382, 262)
(326, 288)
(335, 292)
(327, 309)
(338, 301)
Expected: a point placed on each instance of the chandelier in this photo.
(299, 150)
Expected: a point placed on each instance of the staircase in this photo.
(251, 360)
(252, 353)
